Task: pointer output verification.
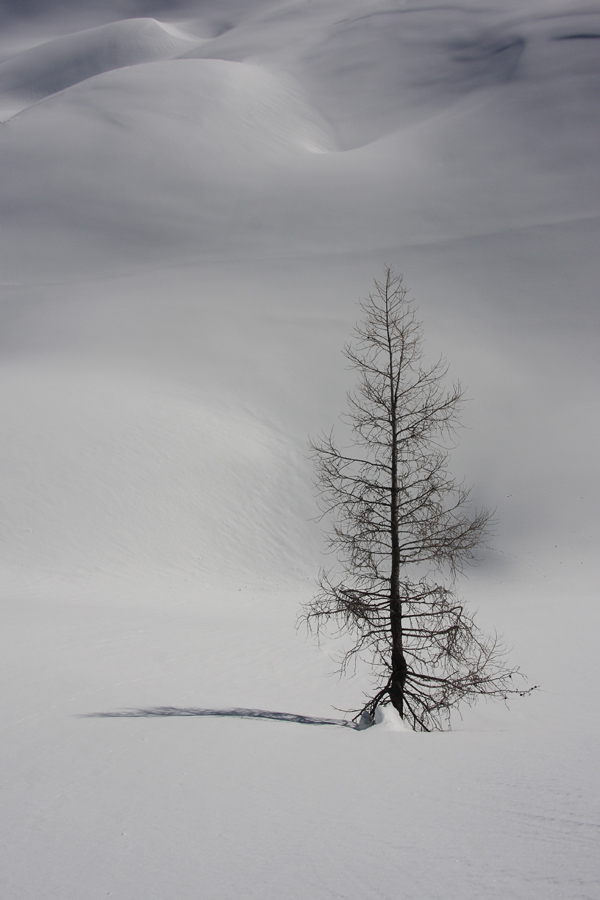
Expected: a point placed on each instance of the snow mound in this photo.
(63, 62)
(231, 105)
(388, 718)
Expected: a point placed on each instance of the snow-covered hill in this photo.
(193, 197)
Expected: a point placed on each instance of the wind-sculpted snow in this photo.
(463, 124)
(373, 73)
(155, 155)
(63, 62)
(190, 207)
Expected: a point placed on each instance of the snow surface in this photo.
(193, 197)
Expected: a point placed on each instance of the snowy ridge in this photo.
(63, 62)
(394, 78)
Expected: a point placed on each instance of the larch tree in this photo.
(402, 529)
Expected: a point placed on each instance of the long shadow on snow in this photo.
(235, 713)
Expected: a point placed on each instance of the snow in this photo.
(193, 199)
(387, 717)
(60, 63)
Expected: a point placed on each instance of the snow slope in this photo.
(193, 197)
(63, 62)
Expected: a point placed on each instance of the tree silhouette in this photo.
(402, 529)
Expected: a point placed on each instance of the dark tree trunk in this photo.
(399, 667)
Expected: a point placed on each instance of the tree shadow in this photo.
(231, 713)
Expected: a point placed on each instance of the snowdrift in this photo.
(63, 62)
(373, 72)
(493, 130)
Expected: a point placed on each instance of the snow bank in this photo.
(389, 720)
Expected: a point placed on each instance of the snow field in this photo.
(145, 805)
(190, 209)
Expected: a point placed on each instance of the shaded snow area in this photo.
(193, 197)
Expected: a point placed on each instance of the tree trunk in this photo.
(399, 667)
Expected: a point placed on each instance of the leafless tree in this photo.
(402, 529)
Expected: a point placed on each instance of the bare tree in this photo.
(401, 528)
